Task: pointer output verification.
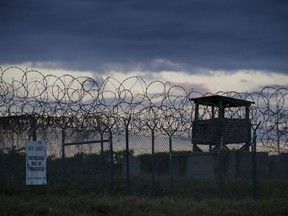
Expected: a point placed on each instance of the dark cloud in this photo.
(183, 34)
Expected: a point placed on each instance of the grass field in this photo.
(29, 201)
(98, 204)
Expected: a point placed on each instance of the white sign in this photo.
(36, 163)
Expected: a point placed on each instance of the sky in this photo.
(207, 45)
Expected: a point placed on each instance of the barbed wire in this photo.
(28, 97)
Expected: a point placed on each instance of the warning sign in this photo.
(36, 163)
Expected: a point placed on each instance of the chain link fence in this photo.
(131, 137)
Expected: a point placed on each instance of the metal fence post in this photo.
(111, 161)
(33, 125)
(221, 165)
(34, 132)
(152, 156)
(63, 155)
(171, 166)
(153, 162)
(102, 156)
(254, 163)
(126, 122)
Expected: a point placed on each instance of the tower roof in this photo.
(214, 100)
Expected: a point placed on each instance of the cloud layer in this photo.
(184, 35)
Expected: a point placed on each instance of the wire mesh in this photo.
(147, 125)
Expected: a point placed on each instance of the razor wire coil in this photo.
(86, 104)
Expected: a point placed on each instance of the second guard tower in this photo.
(221, 120)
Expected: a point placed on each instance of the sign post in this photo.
(36, 163)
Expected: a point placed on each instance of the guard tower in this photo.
(219, 121)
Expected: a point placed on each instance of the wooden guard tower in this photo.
(220, 130)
